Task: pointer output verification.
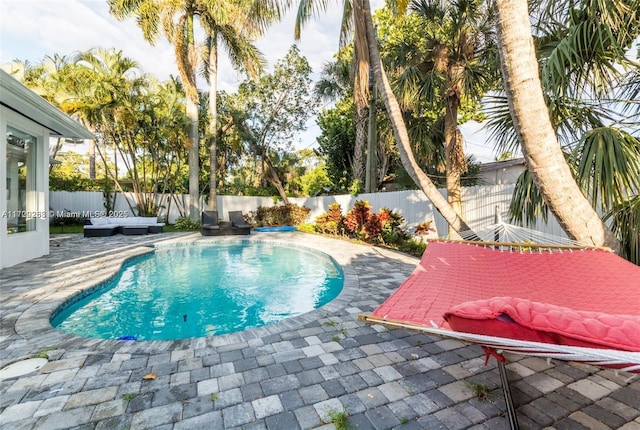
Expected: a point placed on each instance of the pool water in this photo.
(195, 291)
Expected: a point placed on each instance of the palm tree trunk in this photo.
(92, 159)
(360, 93)
(213, 119)
(361, 139)
(454, 153)
(540, 146)
(194, 160)
(400, 129)
(188, 68)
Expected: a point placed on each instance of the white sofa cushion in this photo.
(99, 221)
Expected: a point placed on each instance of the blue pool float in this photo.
(281, 228)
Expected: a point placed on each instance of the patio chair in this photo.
(209, 225)
(238, 223)
(563, 302)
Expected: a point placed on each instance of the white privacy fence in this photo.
(480, 205)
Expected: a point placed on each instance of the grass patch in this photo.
(339, 327)
(481, 391)
(338, 419)
(67, 229)
(79, 229)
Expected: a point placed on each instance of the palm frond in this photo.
(527, 204)
(609, 165)
(585, 60)
(625, 219)
(242, 53)
(500, 124)
(629, 92)
(347, 25)
(307, 9)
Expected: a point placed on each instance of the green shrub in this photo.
(412, 246)
(68, 220)
(184, 223)
(279, 215)
(307, 228)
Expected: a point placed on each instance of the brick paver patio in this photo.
(290, 375)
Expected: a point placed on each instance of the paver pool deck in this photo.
(288, 375)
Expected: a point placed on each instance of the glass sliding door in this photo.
(22, 202)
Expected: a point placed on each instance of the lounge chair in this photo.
(567, 303)
(209, 225)
(238, 223)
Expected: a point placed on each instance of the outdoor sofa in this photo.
(108, 226)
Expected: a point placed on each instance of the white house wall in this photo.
(19, 247)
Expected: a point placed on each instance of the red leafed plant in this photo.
(332, 221)
(357, 217)
(382, 227)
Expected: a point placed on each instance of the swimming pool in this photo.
(194, 291)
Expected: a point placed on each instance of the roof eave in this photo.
(17, 97)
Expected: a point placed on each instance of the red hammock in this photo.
(587, 298)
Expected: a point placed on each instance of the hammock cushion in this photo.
(522, 319)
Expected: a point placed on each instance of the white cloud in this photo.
(32, 29)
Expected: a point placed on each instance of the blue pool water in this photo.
(195, 291)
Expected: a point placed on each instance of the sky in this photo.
(33, 29)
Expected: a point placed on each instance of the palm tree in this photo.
(452, 63)
(176, 19)
(50, 79)
(233, 24)
(536, 135)
(110, 94)
(352, 29)
(582, 108)
(400, 130)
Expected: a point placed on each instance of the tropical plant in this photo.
(625, 219)
(385, 226)
(140, 119)
(331, 221)
(361, 11)
(359, 218)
